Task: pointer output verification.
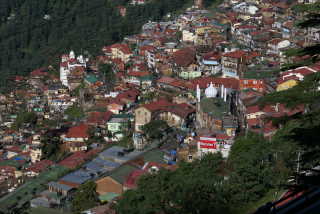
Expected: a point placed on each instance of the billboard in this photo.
(208, 143)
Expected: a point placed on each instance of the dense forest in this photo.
(34, 33)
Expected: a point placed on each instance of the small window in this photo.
(190, 157)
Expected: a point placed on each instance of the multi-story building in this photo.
(69, 63)
(118, 51)
(234, 64)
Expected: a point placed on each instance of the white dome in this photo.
(81, 59)
(72, 55)
(211, 91)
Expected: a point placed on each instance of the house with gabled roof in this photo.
(211, 63)
(99, 118)
(176, 115)
(275, 46)
(120, 50)
(76, 137)
(234, 63)
(291, 78)
(185, 62)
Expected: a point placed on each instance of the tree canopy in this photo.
(155, 129)
(74, 112)
(85, 197)
(192, 188)
(24, 117)
(108, 75)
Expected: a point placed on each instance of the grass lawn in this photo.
(43, 210)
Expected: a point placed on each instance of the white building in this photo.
(68, 63)
(211, 145)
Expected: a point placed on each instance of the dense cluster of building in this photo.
(201, 74)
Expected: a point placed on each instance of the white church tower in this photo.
(68, 63)
(64, 69)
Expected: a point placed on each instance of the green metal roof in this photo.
(155, 155)
(91, 78)
(108, 197)
(122, 116)
(121, 173)
(146, 78)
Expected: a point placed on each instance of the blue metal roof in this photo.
(112, 154)
(78, 177)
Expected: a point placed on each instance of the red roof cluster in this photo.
(132, 179)
(40, 166)
(99, 117)
(145, 48)
(18, 78)
(124, 48)
(184, 57)
(212, 56)
(77, 159)
(182, 110)
(296, 74)
(138, 73)
(278, 110)
(203, 82)
(80, 131)
(236, 54)
(129, 95)
(41, 72)
(7, 170)
(16, 149)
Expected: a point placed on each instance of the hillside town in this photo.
(182, 88)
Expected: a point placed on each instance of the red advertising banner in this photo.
(208, 143)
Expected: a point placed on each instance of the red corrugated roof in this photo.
(74, 160)
(39, 72)
(156, 105)
(236, 54)
(184, 57)
(182, 110)
(203, 82)
(132, 180)
(80, 131)
(138, 73)
(40, 166)
(212, 56)
(99, 117)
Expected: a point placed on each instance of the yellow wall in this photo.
(286, 85)
(202, 30)
(142, 117)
